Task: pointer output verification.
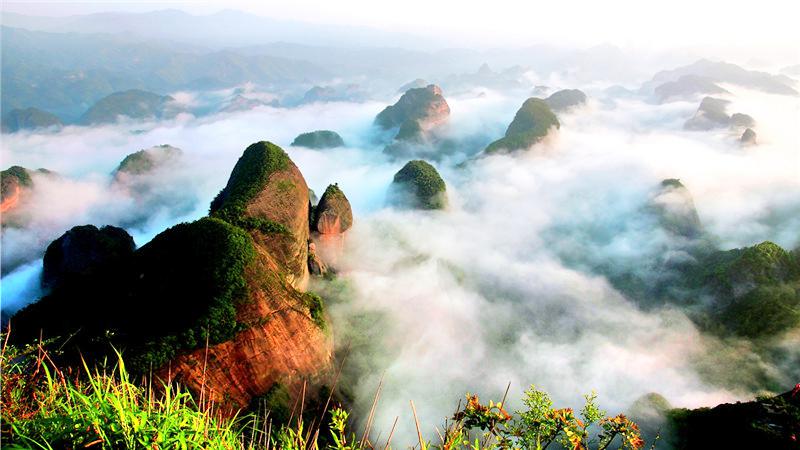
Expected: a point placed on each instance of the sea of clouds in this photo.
(497, 289)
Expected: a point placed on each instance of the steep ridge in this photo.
(222, 297)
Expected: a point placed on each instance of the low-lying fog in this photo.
(478, 296)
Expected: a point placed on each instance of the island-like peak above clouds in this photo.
(531, 123)
(425, 105)
(222, 297)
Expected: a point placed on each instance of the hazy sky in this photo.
(767, 24)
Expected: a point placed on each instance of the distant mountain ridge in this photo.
(65, 73)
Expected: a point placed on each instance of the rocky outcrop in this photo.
(133, 104)
(147, 160)
(79, 252)
(316, 266)
(675, 209)
(333, 214)
(531, 124)
(29, 119)
(16, 183)
(319, 139)
(418, 186)
(739, 120)
(13, 181)
(712, 113)
(566, 99)
(267, 194)
(216, 304)
(425, 105)
(749, 137)
(416, 117)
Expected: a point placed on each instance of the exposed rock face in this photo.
(147, 160)
(319, 139)
(283, 343)
(712, 114)
(13, 181)
(676, 211)
(566, 99)
(29, 119)
(530, 125)
(687, 86)
(266, 193)
(134, 104)
(418, 186)
(16, 182)
(333, 214)
(228, 281)
(316, 265)
(749, 137)
(424, 105)
(81, 250)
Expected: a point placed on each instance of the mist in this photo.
(500, 287)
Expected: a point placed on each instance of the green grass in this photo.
(44, 407)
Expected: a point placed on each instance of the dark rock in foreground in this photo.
(82, 250)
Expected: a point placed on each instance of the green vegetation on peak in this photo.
(674, 183)
(12, 181)
(20, 173)
(410, 131)
(184, 285)
(764, 263)
(418, 185)
(566, 99)
(146, 160)
(415, 104)
(530, 125)
(249, 176)
(28, 119)
(675, 209)
(333, 214)
(757, 289)
(319, 139)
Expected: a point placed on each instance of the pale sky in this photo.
(764, 24)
